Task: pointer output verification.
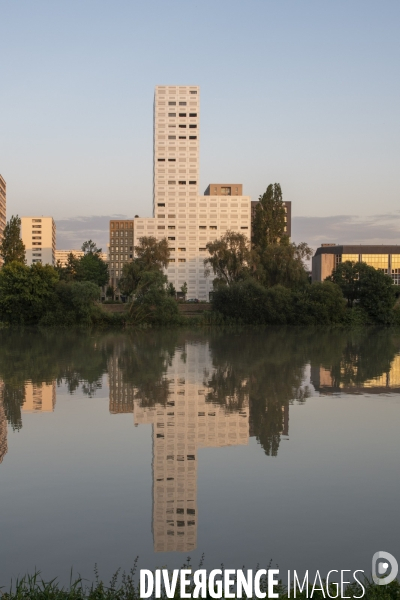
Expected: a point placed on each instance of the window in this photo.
(182, 137)
(36, 220)
(171, 103)
(170, 183)
(182, 103)
(213, 227)
(226, 191)
(182, 126)
(202, 227)
(161, 160)
(172, 137)
(182, 114)
(192, 137)
(161, 204)
(192, 126)
(181, 249)
(171, 226)
(192, 92)
(171, 260)
(244, 228)
(172, 249)
(171, 239)
(182, 260)
(182, 182)
(172, 114)
(159, 227)
(192, 182)
(172, 160)
(202, 249)
(36, 226)
(171, 216)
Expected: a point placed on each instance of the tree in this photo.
(184, 290)
(370, 288)
(110, 292)
(91, 267)
(151, 254)
(68, 272)
(171, 291)
(26, 293)
(269, 222)
(229, 257)
(90, 247)
(281, 264)
(12, 247)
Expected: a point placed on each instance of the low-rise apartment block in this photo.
(39, 237)
(62, 256)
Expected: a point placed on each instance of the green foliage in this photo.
(91, 267)
(229, 258)
(251, 303)
(370, 288)
(152, 303)
(90, 247)
(151, 255)
(171, 291)
(26, 293)
(281, 264)
(268, 225)
(12, 248)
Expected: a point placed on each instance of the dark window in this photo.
(192, 137)
(190, 511)
(170, 183)
(182, 103)
(171, 159)
(192, 114)
(180, 511)
(161, 204)
(182, 137)
(192, 126)
(172, 137)
(192, 182)
(171, 226)
(213, 227)
(193, 92)
(182, 114)
(161, 160)
(182, 126)
(202, 227)
(171, 103)
(171, 238)
(160, 226)
(172, 114)
(182, 183)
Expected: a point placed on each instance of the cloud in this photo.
(347, 229)
(71, 233)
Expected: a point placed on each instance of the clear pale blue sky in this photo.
(305, 93)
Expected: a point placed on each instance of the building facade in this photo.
(39, 237)
(120, 247)
(62, 256)
(384, 258)
(3, 206)
(187, 220)
(288, 218)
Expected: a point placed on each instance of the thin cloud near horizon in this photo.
(377, 229)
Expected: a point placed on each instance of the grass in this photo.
(125, 587)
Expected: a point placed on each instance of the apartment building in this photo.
(386, 258)
(288, 217)
(39, 237)
(187, 423)
(187, 220)
(120, 248)
(62, 256)
(3, 205)
(39, 398)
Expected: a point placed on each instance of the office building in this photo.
(39, 237)
(384, 258)
(3, 205)
(288, 217)
(62, 256)
(187, 220)
(186, 423)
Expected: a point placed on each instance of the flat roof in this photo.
(359, 249)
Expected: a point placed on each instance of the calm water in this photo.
(247, 447)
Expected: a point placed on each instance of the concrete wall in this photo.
(322, 266)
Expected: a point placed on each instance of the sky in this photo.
(306, 94)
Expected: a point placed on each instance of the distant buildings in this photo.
(62, 256)
(384, 258)
(39, 237)
(120, 248)
(3, 204)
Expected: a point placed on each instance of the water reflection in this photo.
(196, 390)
